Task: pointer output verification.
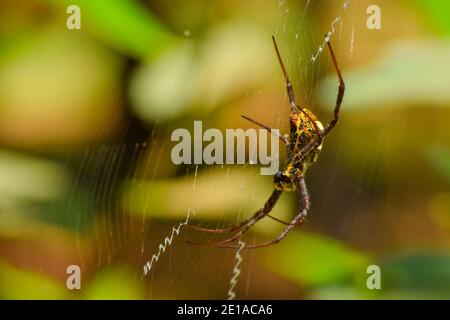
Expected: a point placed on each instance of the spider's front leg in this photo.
(341, 91)
(283, 138)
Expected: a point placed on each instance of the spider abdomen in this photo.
(305, 127)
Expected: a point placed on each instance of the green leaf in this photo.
(117, 284)
(421, 272)
(123, 24)
(439, 156)
(402, 77)
(23, 284)
(439, 14)
(312, 259)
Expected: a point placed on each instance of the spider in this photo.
(303, 146)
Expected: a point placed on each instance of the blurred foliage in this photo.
(428, 272)
(439, 157)
(114, 284)
(22, 284)
(196, 79)
(157, 198)
(24, 178)
(124, 25)
(313, 260)
(84, 75)
(438, 12)
(398, 79)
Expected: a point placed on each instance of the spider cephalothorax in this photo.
(303, 145)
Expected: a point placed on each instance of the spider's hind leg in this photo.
(279, 220)
(245, 225)
(223, 230)
(226, 241)
(304, 205)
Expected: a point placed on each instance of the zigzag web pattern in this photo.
(331, 32)
(236, 271)
(165, 244)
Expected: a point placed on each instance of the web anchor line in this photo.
(331, 32)
(167, 242)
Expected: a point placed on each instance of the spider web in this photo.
(113, 233)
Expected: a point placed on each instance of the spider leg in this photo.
(278, 220)
(290, 90)
(296, 221)
(223, 230)
(236, 227)
(232, 228)
(283, 138)
(247, 224)
(303, 153)
(304, 205)
(289, 87)
(272, 131)
(226, 241)
(341, 91)
(303, 197)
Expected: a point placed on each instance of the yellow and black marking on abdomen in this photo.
(304, 128)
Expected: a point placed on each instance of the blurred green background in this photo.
(85, 170)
